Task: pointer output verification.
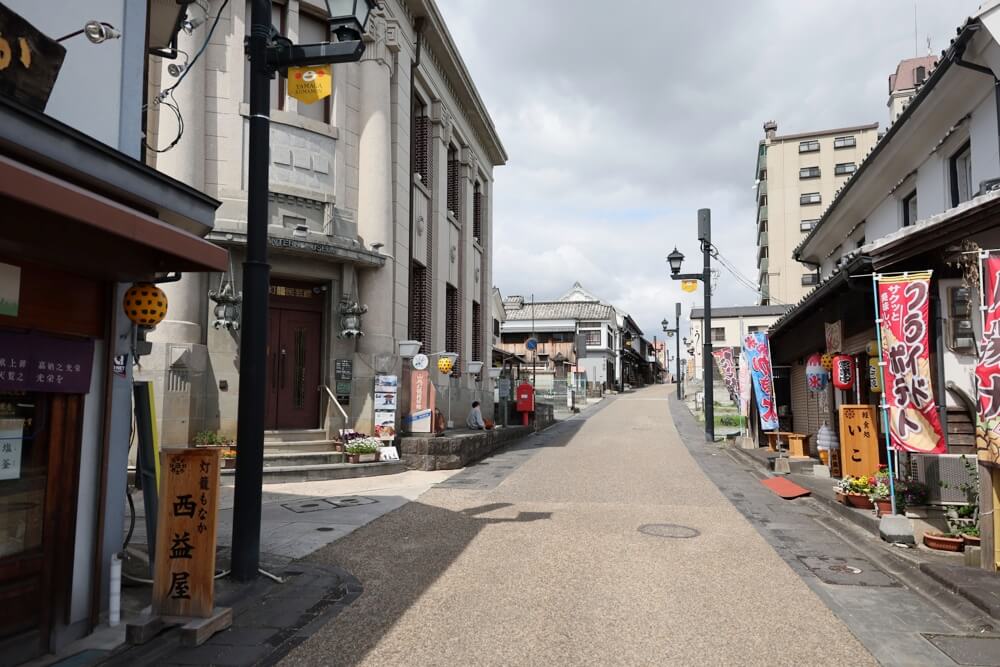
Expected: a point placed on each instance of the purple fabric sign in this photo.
(37, 362)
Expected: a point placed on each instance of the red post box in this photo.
(525, 400)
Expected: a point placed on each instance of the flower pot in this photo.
(884, 507)
(943, 542)
(859, 501)
(841, 498)
(338, 446)
(970, 540)
(362, 458)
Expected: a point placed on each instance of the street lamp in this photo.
(676, 334)
(675, 259)
(269, 53)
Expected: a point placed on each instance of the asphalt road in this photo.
(598, 542)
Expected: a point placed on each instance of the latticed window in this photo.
(420, 306)
(422, 148)
(453, 324)
(454, 185)
(477, 332)
(477, 214)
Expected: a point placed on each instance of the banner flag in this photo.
(727, 368)
(758, 353)
(914, 424)
(988, 368)
(744, 381)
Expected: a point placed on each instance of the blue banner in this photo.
(758, 354)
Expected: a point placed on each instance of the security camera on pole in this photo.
(675, 259)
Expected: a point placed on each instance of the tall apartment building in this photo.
(797, 177)
(903, 84)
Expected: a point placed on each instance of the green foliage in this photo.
(212, 439)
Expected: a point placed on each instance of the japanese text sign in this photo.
(744, 384)
(310, 84)
(858, 440)
(727, 368)
(420, 419)
(36, 362)
(914, 424)
(758, 354)
(184, 575)
(988, 368)
(11, 438)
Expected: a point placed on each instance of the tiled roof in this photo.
(851, 262)
(561, 310)
(904, 79)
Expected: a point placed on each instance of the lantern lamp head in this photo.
(348, 17)
(675, 259)
(145, 304)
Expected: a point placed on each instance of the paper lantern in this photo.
(843, 371)
(874, 376)
(871, 349)
(816, 375)
(445, 365)
(827, 361)
(145, 304)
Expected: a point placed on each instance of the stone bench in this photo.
(457, 448)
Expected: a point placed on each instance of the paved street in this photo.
(601, 541)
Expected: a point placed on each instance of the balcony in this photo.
(762, 264)
(762, 188)
(762, 213)
(761, 162)
(762, 240)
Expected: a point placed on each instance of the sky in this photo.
(620, 126)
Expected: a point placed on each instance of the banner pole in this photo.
(885, 389)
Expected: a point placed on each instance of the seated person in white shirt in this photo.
(475, 419)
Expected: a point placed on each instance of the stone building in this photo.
(380, 199)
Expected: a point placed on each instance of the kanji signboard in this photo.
(184, 577)
(36, 362)
(758, 354)
(914, 425)
(727, 368)
(988, 369)
(858, 440)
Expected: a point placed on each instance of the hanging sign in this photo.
(727, 368)
(834, 336)
(744, 382)
(29, 61)
(988, 368)
(184, 575)
(689, 285)
(874, 377)
(310, 84)
(914, 425)
(816, 375)
(843, 372)
(858, 440)
(758, 352)
(420, 418)
(36, 362)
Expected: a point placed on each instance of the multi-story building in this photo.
(910, 74)
(797, 177)
(380, 225)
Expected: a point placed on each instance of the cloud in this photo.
(620, 127)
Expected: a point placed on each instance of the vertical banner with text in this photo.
(988, 368)
(914, 424)
(727, 368)
(744, 382)
(758, 354)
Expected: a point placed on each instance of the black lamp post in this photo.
(676, 334)
(675, 259)
(269, 53)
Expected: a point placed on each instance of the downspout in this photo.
(938, 311)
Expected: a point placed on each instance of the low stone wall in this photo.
(456, 449)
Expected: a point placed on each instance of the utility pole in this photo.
(680, 393)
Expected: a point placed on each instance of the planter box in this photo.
(362, 458)
(970, 540)
(859, 501)
(884, 507)
(228, 464)
(942, 543)
(841, 498)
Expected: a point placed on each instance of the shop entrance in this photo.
(293, 356)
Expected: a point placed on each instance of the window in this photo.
(810, 279)
(593, 338)
(277, 83)
(718, 334)
(477, 213)
(810, 198)
(845, 168)
(808, 225)
(453, 325)
(454, 184)
(420, 305)
(496, 328)
(422, 145)
(808, 146)
(960, 166)
(919, 74)
(757, 328)
(808, 172)
(910, 209)
(861, 242)
(477, 332)
(845, 142)
(314, 30)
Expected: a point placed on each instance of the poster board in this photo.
(858, 440)
(184, 574)
(386, 402)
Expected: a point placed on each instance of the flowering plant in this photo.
(859, 486)
(365, 445)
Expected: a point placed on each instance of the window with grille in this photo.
(454, 185)
(808, 146)
(420, 306)
(477, 214)
(845, 168)
(477, 332)
(845, 142)
(810, 198)
(422, 146)
(718, 334)
(809, 172)
(453, 324)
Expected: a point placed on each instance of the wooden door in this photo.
(293, 369)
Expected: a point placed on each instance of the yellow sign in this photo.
(689, 285)
(310, 84)
(858, 440)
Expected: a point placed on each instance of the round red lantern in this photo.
(843, 372)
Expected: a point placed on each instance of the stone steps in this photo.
(274, 459)
(324, 471)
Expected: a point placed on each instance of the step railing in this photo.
(333, 400)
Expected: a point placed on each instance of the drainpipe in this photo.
(938, 311)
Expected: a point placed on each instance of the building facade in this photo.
(797, 176)
(910, 74)
(729, 326)
(380, 225)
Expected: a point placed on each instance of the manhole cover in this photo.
(668, 530)
(966, 650)
(350, 501)
(310, 504)
(846, 571)
(305, 506)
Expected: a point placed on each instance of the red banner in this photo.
(914, 425)
(727, 369)
(988, 369)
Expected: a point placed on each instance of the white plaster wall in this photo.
(932, 186)
(883, 220)
(984, 134)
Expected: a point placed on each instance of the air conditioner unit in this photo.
(988, 186)
(931, 470)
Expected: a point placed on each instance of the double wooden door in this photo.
(293, 371)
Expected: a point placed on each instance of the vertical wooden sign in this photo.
(184, 575)
(858, 440)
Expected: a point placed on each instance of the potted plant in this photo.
(881, 497)
(944, 541)
(970, 536)
(362, 450)
(855, 491)
(229, 458)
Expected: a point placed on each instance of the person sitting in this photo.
(475, 419)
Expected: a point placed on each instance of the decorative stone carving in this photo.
(376, 48)
(453, 254)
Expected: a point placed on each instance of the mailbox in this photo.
(525, 398)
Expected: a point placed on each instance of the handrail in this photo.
(336, 402)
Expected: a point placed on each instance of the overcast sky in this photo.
(619, 132)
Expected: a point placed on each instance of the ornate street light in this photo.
(348, 18)
(675, 259)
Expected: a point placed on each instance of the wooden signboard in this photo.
(184, 575)
(858, 440)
